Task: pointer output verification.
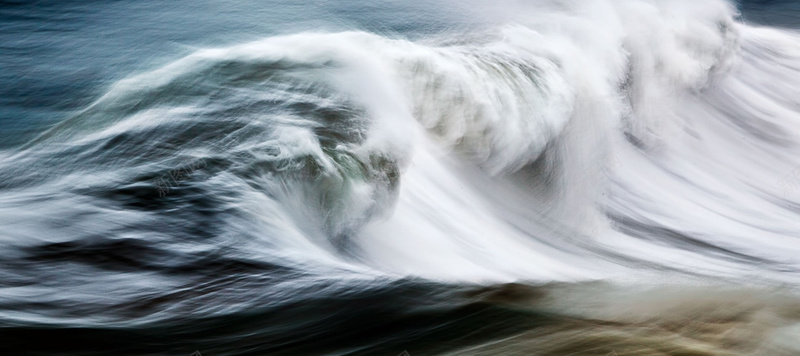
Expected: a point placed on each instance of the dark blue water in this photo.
(59, 56)
(56, 58)
(780, 13)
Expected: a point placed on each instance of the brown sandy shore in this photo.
(601, 319)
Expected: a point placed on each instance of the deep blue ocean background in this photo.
(59, 56)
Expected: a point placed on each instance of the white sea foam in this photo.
(571, 141)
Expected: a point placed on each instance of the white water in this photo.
(708, 145)
(518, 146)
